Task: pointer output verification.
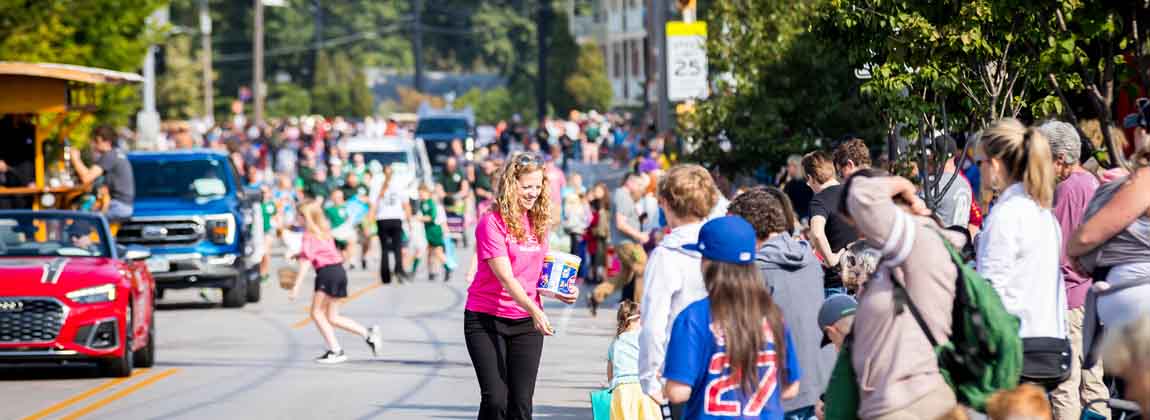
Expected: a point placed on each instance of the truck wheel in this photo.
(254, 290)
(236, 296)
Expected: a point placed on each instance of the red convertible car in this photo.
(68, 293)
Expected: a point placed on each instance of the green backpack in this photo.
(983, 355)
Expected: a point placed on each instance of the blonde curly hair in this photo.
(507, 197)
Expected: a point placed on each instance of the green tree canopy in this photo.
(179, 94)
(782, 88)
(589, 86)
(111, 34)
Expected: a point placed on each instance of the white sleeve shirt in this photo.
(1018, 253)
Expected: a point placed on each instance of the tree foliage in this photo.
(987, 59)
(589, 86)
(111, 34)
(490, 106)
(788, 89)
(340, 87)
(288, 100)
(179, 94)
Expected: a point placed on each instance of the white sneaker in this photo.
(375, 340)
(331, 358)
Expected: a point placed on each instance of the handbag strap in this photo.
(1059, 286)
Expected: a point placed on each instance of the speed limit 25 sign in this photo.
(686, 60)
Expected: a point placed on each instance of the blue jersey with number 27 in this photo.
(697, 357)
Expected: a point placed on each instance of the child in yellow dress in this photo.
(628, 402)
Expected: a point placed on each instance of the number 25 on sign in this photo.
(686, 60)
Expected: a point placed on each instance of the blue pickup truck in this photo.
(196, 218)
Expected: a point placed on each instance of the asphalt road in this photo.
(256, 363)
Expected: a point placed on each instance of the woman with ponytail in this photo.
(1019, 248)
(730, 354)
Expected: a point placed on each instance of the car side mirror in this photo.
(137, 254)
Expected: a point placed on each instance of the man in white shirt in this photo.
(673, 276)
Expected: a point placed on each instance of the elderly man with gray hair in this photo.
(1075, 188)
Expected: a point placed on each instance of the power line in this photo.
(327, 43)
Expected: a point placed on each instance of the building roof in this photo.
(67, 72)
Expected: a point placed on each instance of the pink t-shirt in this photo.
(492, 240)
(319, 252)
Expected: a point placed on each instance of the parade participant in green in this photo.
(337, 214)
(433, 229)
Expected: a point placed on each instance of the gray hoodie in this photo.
(795, 279)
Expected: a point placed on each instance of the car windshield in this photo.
(29, 234)
(398, 160)
(453, 126)
(180, 178)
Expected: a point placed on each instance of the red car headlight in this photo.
(98, 294)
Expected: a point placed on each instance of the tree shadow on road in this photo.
(186, 306)
(49, 371)
(468, 412)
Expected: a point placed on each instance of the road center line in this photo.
(121, 394)
(358, 294)
(84, 395)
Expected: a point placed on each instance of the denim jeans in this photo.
(805, 413)
(118, 210)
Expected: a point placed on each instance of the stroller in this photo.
(1119, 409)
(456, 212)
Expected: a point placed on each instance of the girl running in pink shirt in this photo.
(319, 251)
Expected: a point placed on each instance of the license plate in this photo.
(159, 265)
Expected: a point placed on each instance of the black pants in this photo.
(506, 355)
(390, 241)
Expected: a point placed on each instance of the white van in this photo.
(408, 158)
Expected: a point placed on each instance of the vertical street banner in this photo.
(686, 60)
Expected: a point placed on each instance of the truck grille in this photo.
(166, 232)
(30, 320)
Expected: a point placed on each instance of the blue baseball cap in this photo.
(729, 239)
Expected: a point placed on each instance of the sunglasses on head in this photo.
(526, 159)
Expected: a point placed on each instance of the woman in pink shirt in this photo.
(504, 322)
(319, 251)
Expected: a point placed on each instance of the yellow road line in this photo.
(121, 394)
(84, 395)
(358, 294)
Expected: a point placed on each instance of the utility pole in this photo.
(258, 64)
(206, 62)
(148, 120)
(417, 45)
(541, 27)
(659, 46)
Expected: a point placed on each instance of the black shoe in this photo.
(330, 358)
(447, 276)
(363, 263)
(374, 340)
(593, 304)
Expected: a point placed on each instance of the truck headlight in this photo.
(98, 294)
(221, 228)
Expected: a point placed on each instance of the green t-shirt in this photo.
(452, 181)
(483, 181)
(337, 215)
(428, 208)
(269, 210)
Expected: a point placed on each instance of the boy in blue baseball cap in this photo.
(730, 354)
